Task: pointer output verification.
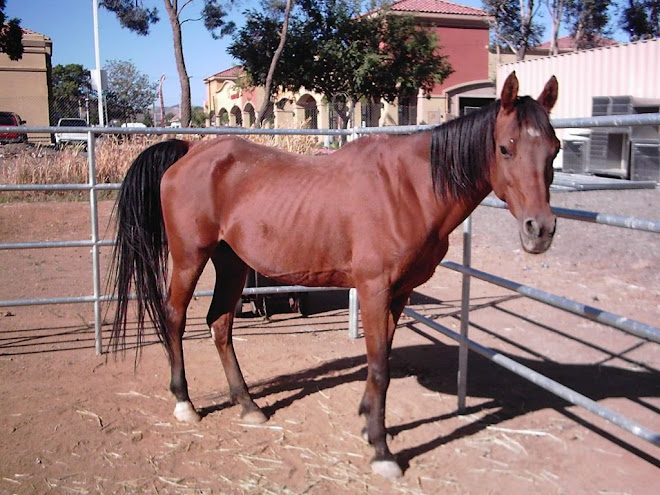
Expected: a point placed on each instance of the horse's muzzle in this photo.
(536, 235)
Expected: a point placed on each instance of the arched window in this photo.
(236, 117)
(222, 118)
(251, 114)
(310, 111)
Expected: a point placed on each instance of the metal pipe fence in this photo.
(541, 380)
(621, 323)
(632, 327)
(97, 298)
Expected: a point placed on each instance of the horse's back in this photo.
(299, 218)
(267, 204)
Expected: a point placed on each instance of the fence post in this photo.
(465, 316)
(96, 271)
(353, 313)
(354, 134)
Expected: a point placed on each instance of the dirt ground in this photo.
(75, 422)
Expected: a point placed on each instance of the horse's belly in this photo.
(294, 253)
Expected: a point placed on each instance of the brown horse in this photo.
(375, 215)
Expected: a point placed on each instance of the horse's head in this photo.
(525, 147)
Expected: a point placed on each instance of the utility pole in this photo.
(160, 100)
(97, 53)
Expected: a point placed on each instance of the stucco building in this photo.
(25, 83)
(463, 34)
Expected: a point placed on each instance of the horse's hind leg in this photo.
(230, 279)
(185, 273)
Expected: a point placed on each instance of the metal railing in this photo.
(618, 322)
(95, 243)
(621, 323)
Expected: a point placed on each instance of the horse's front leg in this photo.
(379, 323)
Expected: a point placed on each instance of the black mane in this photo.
(463, 149)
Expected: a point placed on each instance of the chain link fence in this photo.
(42, 110)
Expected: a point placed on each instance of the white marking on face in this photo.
(533, 132)
(212, 333)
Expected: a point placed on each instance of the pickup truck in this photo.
(62, 138)
(11, 119)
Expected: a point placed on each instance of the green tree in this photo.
(513, 26)
(198, 117)
(72, 90)
(129, 91)
(333, 50)
(11, 35)
(133, 15)
(275, 7)
(641, 19)
(556, 12)
(587, 20)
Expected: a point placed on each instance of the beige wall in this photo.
(223, 95)
(24, 83)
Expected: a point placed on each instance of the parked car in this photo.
(134, 125)
(62, 138)
(130, 135)
(12, 119)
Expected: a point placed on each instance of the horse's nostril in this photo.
(532, 228)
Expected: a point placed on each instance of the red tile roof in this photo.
(568, 43)
(230, 73)
(436, 7)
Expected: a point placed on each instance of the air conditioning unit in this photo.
(575, 154)
(612, 150)
(645, 160)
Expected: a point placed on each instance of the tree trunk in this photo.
(526, 9)
(556, 11)
(273, 63)
(185, 109)
(577, 36)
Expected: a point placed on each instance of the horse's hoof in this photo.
(185, 412)
(387, 469)
(254, 417)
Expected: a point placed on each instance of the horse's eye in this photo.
(504, 151)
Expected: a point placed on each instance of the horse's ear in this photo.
(550, 93)
(509, 93)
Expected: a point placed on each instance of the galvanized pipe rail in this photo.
(592, 216)
(552, 386)
(627, 325)
(608, 121)
(95, 243)
(622, 323)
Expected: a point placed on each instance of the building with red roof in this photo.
(463, 34)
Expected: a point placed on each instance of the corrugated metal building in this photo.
(612, 80)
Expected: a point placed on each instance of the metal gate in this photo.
(636, 328)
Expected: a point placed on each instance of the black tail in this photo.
(140, 253)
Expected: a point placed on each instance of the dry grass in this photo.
(44, 165)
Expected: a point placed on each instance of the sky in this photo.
(69, 23)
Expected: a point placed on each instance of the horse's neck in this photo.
(441, 214)
(451, 212)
